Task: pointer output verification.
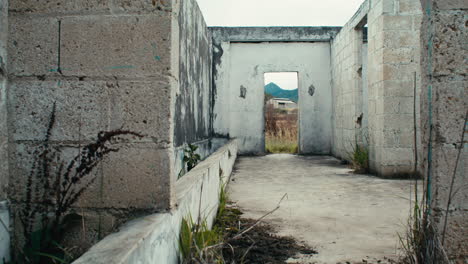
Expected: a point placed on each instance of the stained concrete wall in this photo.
(193, 122)
(193, 100)
(155, 238)
(4, 210)
(444, 104)
(108, 66)
(240, 64)
(392, 61)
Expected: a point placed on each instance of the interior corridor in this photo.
(344, 216)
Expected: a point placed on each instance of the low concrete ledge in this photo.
(154, 239)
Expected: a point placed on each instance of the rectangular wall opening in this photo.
(281, 112)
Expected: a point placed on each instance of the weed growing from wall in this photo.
(52, 187)
(191, 158)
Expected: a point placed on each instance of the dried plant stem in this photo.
(454, 175)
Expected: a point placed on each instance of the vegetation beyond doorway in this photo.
(281, 112)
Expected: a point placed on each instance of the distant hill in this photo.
(277, 92)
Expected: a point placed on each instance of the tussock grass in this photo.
(280, 131)
(280, 145)
(360, 159)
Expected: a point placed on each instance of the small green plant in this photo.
(191, 158)
(360, 159)
(195, 242)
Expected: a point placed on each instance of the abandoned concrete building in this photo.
(76, 73)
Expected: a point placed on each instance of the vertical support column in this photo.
(444, 104)
(393, 60)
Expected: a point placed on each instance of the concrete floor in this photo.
(346, 217)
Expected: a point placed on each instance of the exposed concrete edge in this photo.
(359, 15)
(272, 34)
(4, 232)
(154, 238)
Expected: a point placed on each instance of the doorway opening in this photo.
(281, 112)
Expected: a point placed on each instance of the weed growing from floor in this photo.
(360, 159)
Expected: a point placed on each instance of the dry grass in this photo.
(280, 131)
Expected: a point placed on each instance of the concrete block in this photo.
(398, 138)
(409, 7)
(89, 6)
(143, 107)
(120, 46)
(449, 41)
(398, 72)
(401, 39)
(397, 156)
(398, 22)
(395, 171)
(4, 176)
(449, 4)
(81, 109)
(398, 121)
(3, 35)
(398, 55)
(451, 106)
(397, 105)
(445, 156)
(33, 46)
(25, 165)
(87, 227)
(142, 6)
(138, 176)
(398, 88)
(457, 236)
(3, 140)
(417, 23)
(60, 6)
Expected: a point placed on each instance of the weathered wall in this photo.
(4, 212)
(392, 61)
(155, 238)
(193, 111)
(239, 63)
(107, 65)
(194, 106)
(444, 104)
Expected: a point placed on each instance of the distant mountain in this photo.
(277, 92)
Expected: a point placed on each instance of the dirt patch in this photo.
(260, 245)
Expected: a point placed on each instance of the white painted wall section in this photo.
(243, 116)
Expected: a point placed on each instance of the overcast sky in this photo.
(278, 12)
(285, 80)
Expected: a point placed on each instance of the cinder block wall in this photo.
(444, 102)
(4, 212)
(3, 100)
(347, 63)
(392, 61)
(107, 65)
